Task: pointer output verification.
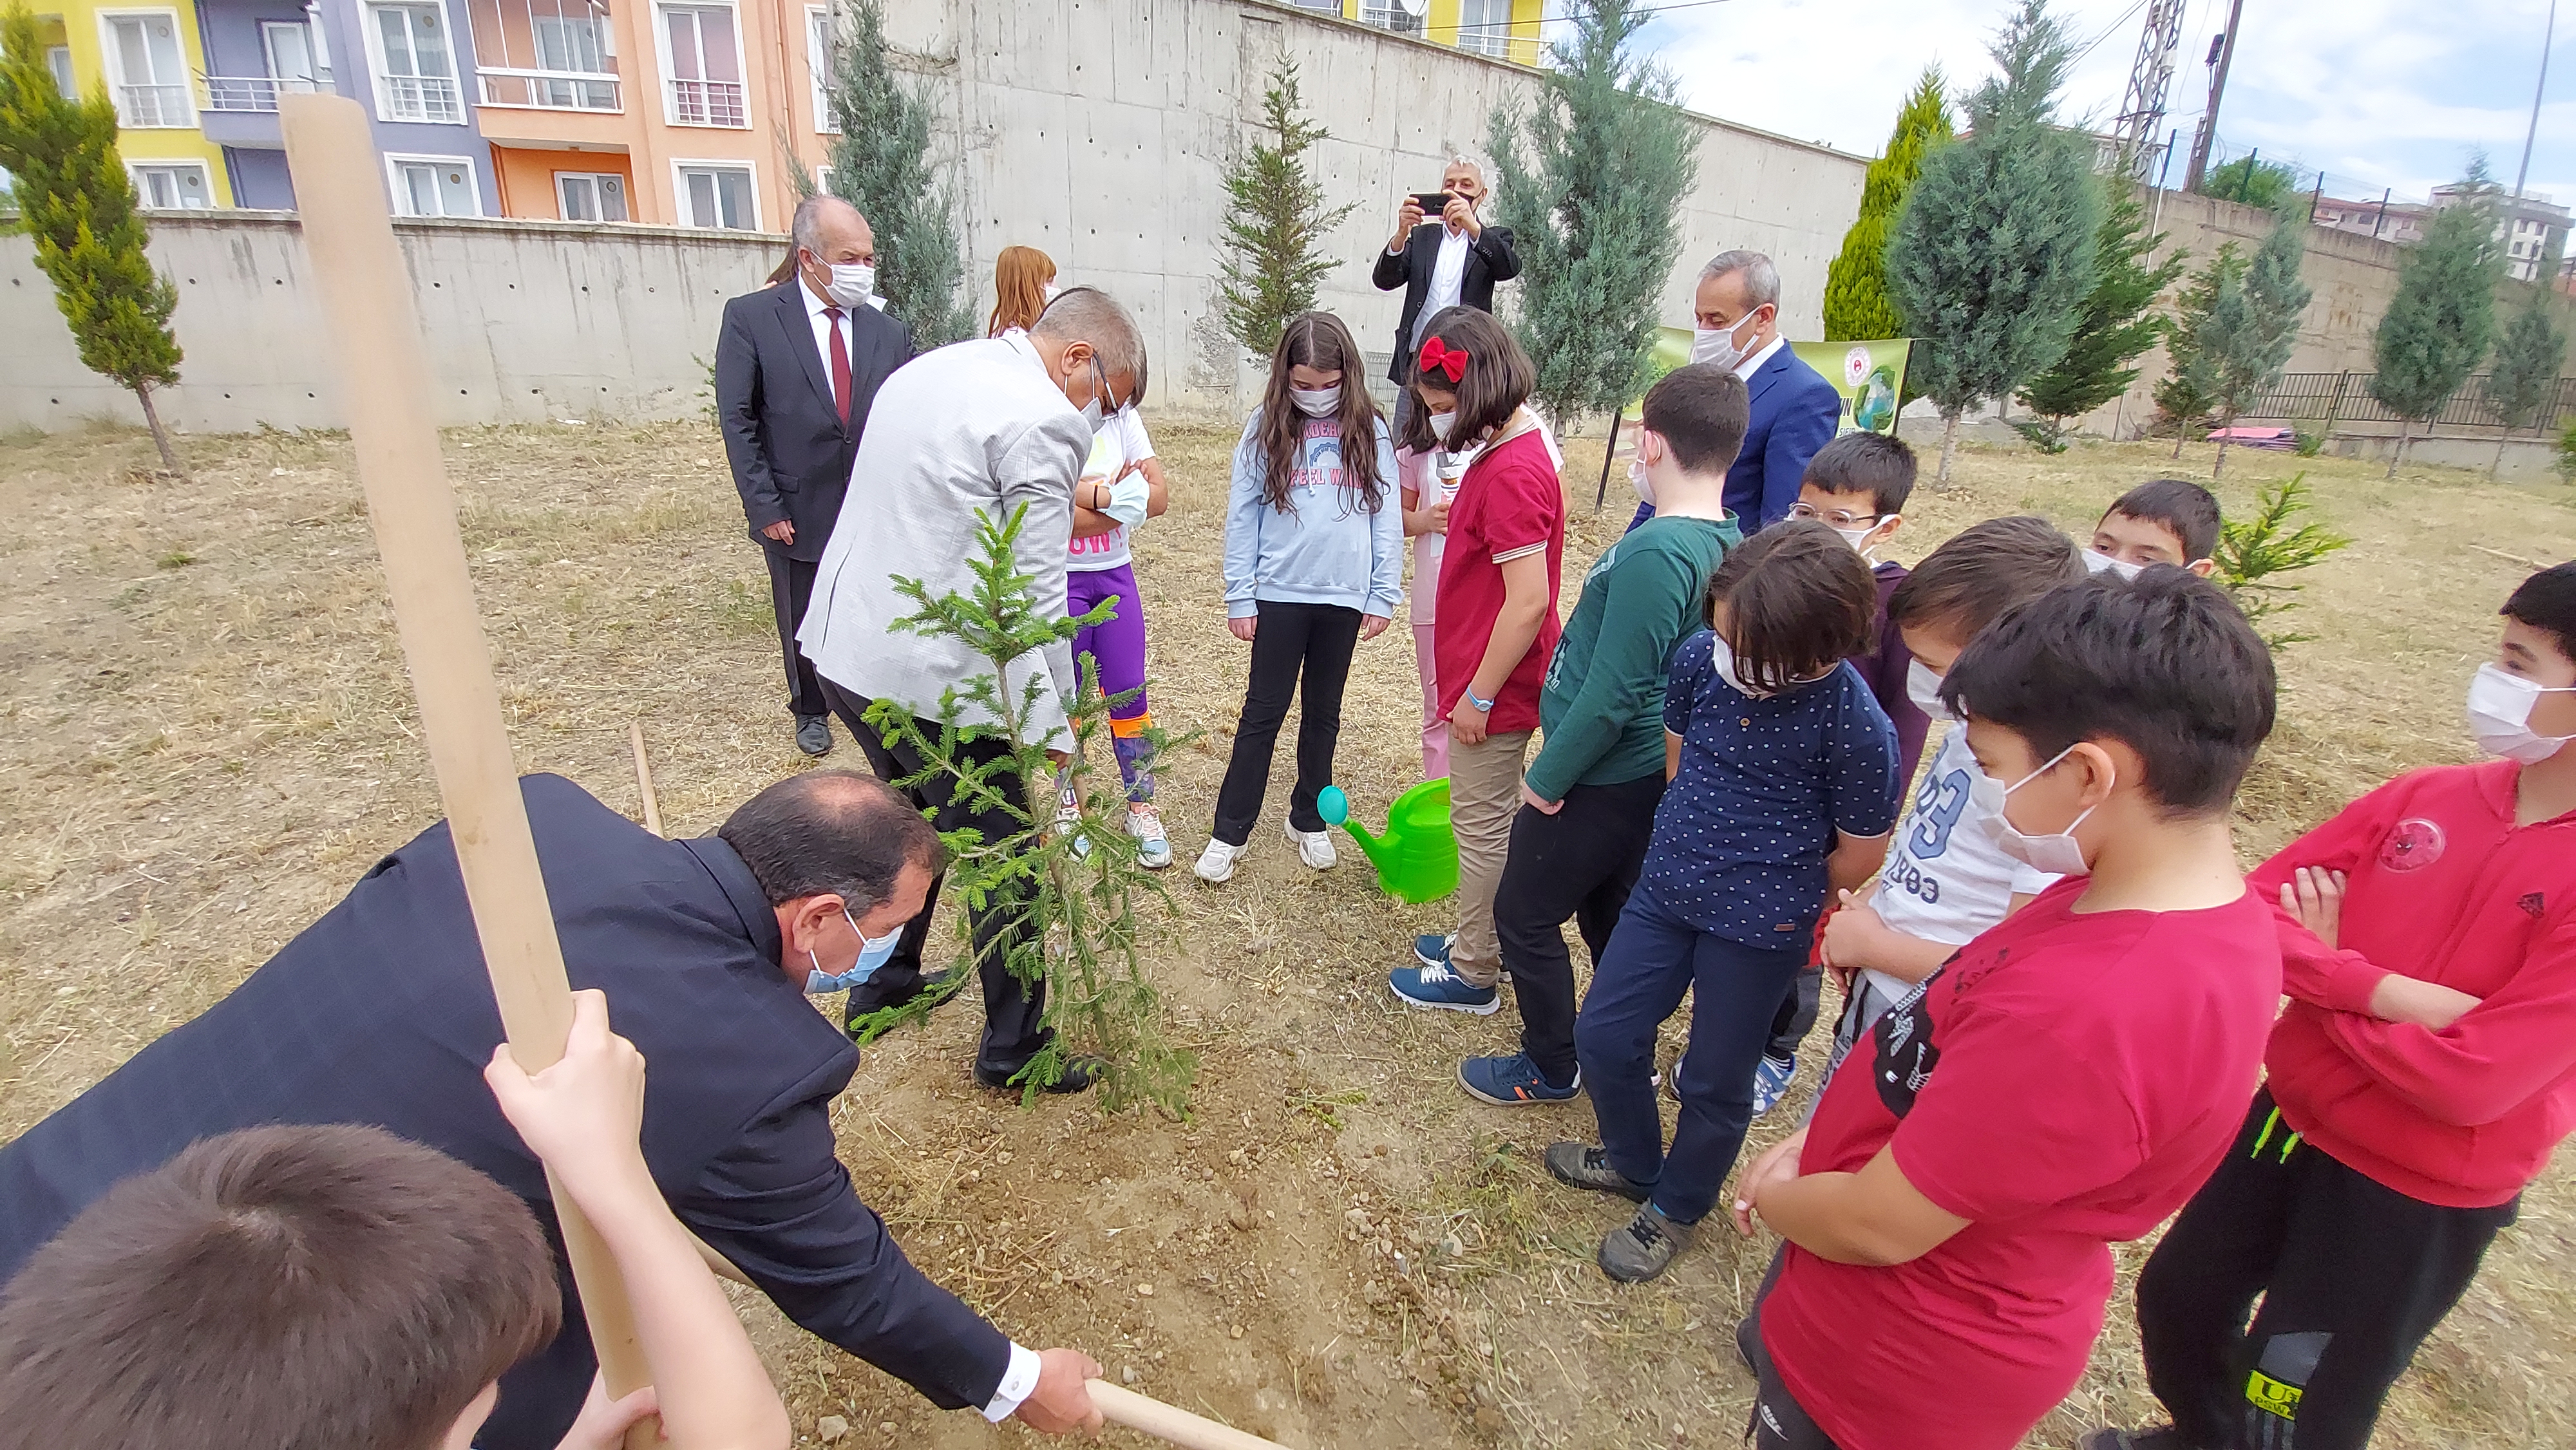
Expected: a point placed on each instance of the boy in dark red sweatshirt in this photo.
(2422, 1073)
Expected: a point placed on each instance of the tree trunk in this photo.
(2221, 461)
(2181, 427)
(2404, 427)
(160, 437)
(2496, 468)
(1949, 445)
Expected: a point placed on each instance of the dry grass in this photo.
(206, 733)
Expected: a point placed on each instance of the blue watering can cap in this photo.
(1332, 805)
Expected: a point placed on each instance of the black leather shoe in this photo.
(814, 734)
(1076, 1079)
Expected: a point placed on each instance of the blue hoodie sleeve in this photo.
(1243, 524)
(1386, 536)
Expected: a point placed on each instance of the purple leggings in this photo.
(1117, 649)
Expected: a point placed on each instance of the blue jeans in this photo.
(1655, 957)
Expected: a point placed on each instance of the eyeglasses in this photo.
(1100, 386)
(1838, 518)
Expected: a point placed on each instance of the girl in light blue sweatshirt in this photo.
(1314, 563)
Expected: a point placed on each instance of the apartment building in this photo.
(1503, 29)
(145, 54)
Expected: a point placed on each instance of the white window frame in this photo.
(625, 193)
(1486, 36)
(374, 39)
(58, 60)
(394, 187)
(820, 31)
(205, 182)
(109, 57)
(682, 166)
(671, 76)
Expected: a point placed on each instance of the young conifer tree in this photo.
(78, 206)
(881, 165)
(1857, 306)
(1277, 225)
(1591, 184)
(2180, 404)
(1995, 247)
(2237, 352)
(2439, 324)
(2525, 381)
(2114, 327)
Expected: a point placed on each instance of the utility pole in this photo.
(2547, 34)
(2221, 51)
(2142, 110)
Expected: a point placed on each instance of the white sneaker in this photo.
(1216, 863)
(1315, 848)
(1153, 848)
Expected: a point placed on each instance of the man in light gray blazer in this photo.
(970, 431)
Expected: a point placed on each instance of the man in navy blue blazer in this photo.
(381, 1013)
(1795, 411)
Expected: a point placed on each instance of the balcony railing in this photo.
(251, 93)
(549, 90)
(707, 103)
(152, 106)
(420, 98)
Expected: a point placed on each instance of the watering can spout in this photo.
(1417, 856)
(1335, 808)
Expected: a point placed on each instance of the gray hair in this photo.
(806, 227)
(1089, 315)
(1761, 279)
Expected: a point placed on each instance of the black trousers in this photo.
(1797, 1015)
(1300, 650)
(2353, 1275)
(1779, 1422)
(1579, 863)
(1012, 1011)
(791, 587)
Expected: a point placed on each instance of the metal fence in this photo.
(2326, 399)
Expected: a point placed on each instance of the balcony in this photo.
(140, 106)
(548, 90)
(419, 98)
(251, 93)
(707, 103)
(545, 55)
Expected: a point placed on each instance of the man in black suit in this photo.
(796, 368)
(381, 1013)
(1452, 262)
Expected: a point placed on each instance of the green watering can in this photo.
(1417, 858)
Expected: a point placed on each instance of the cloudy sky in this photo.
(2376, 93)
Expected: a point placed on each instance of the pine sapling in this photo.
(1277, 226)
(2254, 553)
(2442, 317)
(2524, 385)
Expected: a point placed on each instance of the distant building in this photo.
(2533, 231)
(2401, 222)
(1503, 29)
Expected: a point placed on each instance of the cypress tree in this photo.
(1856, 301)
(1277, 226)
(78, 205)
(2113, 327)
(1595, 209)
(2237, 352)
(2438, 325)
(2180, 404)
(881, 165)
(1994, 250)
(2525, 381)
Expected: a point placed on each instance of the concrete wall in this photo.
(525, 321)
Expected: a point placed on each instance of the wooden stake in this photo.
(384, 378)
(644, 777)
(1121, 1406)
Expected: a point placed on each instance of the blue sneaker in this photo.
(1770, 1083)
(1440, 987)
(1432, 949)
(1511, 1081)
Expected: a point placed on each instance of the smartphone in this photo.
(1431, 202)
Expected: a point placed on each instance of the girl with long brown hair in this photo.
(1314, 563)
(1023, 284)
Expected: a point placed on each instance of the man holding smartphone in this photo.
(1453, 261)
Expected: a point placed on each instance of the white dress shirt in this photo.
(1753, 362)
(1017, 1381)
(814, 307)
(1448, 281)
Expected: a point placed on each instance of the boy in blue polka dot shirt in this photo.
(1783, 792)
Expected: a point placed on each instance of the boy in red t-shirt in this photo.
(2406, 1109)
(2064, 1081)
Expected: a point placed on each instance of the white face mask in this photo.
(1642, 481)
(852, 284)
(2500, 716)
(1724, 656)
(1923, 687)
(1719, 345)
(1317, 402)
(1441, 423)
(1854, 537)
(2055, 853)
(1048, 293)
(2095, 561)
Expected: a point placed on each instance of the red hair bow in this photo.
(1440, 357)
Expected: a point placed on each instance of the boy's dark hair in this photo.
(1798, 602)
(1981, 571)
(2164, 664)
(293, 1288)
(1702, 410)
(2185, 508)
(1496, 380)
(1872, 463)
(2547, 602)
(839, 831)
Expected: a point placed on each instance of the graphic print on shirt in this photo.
(2412, 845)
(1103, 465)
(1903, 1052)
(1937, 809)
(1556, 659)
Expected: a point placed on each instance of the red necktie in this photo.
(840, 366)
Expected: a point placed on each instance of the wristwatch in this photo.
(1485, 705)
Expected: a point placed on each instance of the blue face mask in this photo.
(873, 953)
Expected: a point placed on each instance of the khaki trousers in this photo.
(1484, 793)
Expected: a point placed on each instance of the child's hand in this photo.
(1242, 628)
(2314, 895)
(1531, 799)
(1852, 934)
(1466, 723)
(1778, 1164)
(1373, 625)
(603, 1422)
(582, 1115)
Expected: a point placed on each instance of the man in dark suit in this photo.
(1795, 411)
(381, 1013)
(796, 368)
(1451, 262)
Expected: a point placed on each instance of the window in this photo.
(172, 184)
(144, 71)
(433, 186)
(58, 59)
(716, 195)
(288, 45)
(1404, 17)
(415, 70)
(591, 196)
(818, 64)
(704, 66)
(1485, 27)
(575, 43)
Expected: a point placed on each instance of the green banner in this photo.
(1870, 375)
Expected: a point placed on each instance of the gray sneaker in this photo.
(814, 734)
(1580, 1165)
(2156, 1437)
(1646, 1247)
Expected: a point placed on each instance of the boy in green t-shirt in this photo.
(1588, 800)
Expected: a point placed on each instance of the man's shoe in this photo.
(1315, 848)
(1077, 1077)
(1215, 865)
(1580, 1165)
(1770, 1083)
(1646, 1247)
(814, 734)
(1514, 1080)
(1153, 848)
(1432, 949)
(2158, 1437)
(1442, 988)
